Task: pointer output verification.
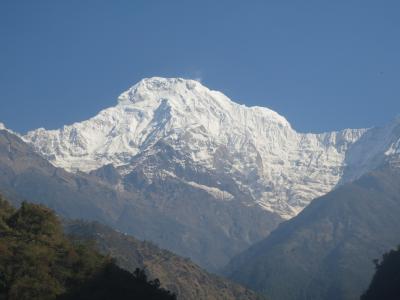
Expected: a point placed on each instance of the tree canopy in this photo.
(386, 282)
(38, 262)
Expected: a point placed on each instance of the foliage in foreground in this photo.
(386, 282)
(37, 262)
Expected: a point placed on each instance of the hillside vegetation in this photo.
(386, 282)
(177, 274)
(38, 262)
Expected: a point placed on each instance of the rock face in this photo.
(180, 129)
(327, 251)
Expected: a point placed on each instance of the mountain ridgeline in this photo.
(179, 275)
(326, 252)
(179, 129)
(37, 262)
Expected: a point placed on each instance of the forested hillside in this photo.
(38, 262)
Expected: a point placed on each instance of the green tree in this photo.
(38, 262)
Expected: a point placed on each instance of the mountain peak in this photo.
(155, 85)
(202, 129)
(188, 97)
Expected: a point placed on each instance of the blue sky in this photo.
(324, 65)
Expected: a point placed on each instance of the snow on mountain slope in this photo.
(279, 169)
(3, 127)
(377, 146)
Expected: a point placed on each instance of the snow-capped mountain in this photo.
(3, 127)
(171, 127)
(377, 146)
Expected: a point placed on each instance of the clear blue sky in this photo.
(324, 65)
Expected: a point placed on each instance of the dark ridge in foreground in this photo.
(386, 282)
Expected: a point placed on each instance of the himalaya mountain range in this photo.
(178, 128)
(198, 174)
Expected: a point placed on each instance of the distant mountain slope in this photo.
(173, 127)
(379, 145)
(178, 215)
(177, 274)
(326, 251)
(26, 175)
